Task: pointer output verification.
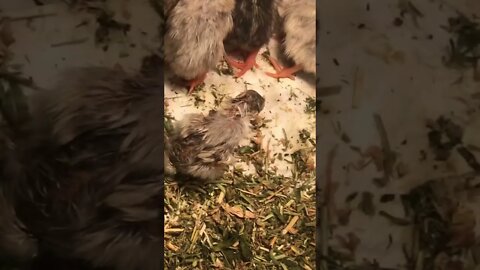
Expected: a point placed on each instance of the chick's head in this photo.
(249, 103)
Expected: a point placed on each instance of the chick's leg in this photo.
(278, 68)
(250, 62)
(286, 72)
(282, 72)
(234, 62)
(195, 82)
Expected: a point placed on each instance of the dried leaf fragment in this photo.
(290, 226)
(238, 211)
(172, 247)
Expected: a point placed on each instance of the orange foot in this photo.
(196, 82)
(249, 63)
(281, 71)
(234, 62)
(278, 68)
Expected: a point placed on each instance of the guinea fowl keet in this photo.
(202, 146)
(299, 21)
(193, 43)
(253, 23)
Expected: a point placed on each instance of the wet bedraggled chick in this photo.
(253, 24)
(202, 146)
(299, 21)
(193, 43)
(85, 177)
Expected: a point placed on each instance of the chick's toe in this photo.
(250, 62)
(278, 68)
(192, 84)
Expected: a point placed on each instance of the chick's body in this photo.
(202, 146)
(300, 33)
(299, 25)
(89, 186)
(194, 37)
(253, 23)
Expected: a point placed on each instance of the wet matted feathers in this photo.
(91, 187)
(202, 146)
(195, 31)
(252, 102)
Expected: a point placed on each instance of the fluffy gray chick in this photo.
(299, 25)
(202, 146)
(193, 43)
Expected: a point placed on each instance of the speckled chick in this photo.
(299, 25)
(203, 146)
(253, 22)
(85, 178)
(193, 44)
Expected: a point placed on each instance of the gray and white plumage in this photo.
(169, 168)
(193, 43)
(85, 178)
(299, 24)
(253, 22)
(203, 146)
